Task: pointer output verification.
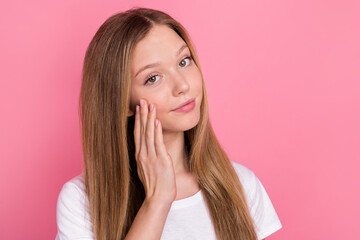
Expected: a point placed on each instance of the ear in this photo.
(130, 113)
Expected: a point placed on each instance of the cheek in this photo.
(155, 98)
(133, 103)
(161, 99)
(134, 99)
(161, 108)
(198, 83)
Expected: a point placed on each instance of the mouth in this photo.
(186, 106)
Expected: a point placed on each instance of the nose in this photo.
(180, 83)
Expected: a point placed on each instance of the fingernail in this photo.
(137, 108)
(142, 103)
(156, 122)
(151, 107)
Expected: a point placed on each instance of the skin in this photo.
(160, 149)
(176, 80)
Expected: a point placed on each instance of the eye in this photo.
(151, 79)
(183, 62)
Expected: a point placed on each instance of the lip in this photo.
(186, 106)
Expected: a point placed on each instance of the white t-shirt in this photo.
(188, 218)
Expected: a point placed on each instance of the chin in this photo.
(190, 126)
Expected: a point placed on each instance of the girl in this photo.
(153, 167)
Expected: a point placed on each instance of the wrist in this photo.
(154, 203)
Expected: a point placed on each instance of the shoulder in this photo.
(75, 184)
(253, 188)
(260, 206)
(242, 171)
(72, 211)
(247, 177)
(72, 194)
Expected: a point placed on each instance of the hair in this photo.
(113, 188)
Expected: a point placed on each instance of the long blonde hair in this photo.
(113, 188)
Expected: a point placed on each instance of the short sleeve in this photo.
(261, 209)
(72, 215)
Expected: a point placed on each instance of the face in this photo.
(172, 79)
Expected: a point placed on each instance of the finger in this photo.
(137, 130)
(143, 120)
(150, 130)
(159, 141)
(141, 174)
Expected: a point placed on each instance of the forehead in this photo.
(161, 42)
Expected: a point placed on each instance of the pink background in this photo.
(283, 82)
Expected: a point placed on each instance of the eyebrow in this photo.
(157, 63)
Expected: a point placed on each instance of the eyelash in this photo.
(153, 75)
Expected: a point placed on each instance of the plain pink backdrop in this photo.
(283, 83)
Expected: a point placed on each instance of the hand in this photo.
(154, 164)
